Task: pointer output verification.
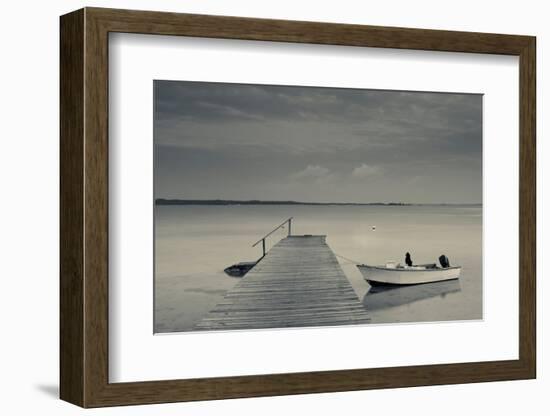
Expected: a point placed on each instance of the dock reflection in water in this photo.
(383, 297)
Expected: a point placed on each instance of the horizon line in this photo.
(293, 202)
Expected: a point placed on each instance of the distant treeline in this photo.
(162, 201)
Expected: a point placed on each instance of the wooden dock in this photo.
(297, 283)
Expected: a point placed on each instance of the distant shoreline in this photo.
(218, 202)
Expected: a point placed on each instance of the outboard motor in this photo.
(444, 261)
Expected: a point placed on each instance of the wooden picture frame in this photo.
(84, 207)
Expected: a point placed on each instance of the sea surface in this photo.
(193, 244)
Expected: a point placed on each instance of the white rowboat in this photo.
(414, 275)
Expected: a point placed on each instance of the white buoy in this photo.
(374, 228)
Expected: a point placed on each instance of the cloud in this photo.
(288, 142)
(228, 111)
(364, 171)
(401, 110)
(311, 172)
(300, 120)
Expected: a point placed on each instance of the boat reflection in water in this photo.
(382, 297)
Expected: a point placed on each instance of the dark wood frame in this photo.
(84, 207)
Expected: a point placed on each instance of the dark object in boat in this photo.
(425, 265)
(444, 261)
(428, 265)
(240, 269)
(408, 259)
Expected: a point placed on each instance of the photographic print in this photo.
(296, 206)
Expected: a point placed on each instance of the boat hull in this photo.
(240, 269)
(375, 275)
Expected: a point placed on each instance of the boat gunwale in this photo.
(391, 269)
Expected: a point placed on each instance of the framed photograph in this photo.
(256, 207)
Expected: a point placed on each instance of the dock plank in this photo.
(298, 283)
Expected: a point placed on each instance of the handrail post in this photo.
(271, 232)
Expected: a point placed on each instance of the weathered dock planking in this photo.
(297, 283)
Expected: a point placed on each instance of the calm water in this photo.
(195, 243)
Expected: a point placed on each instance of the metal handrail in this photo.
(262, 240)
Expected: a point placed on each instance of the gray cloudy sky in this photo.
(235, 141)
